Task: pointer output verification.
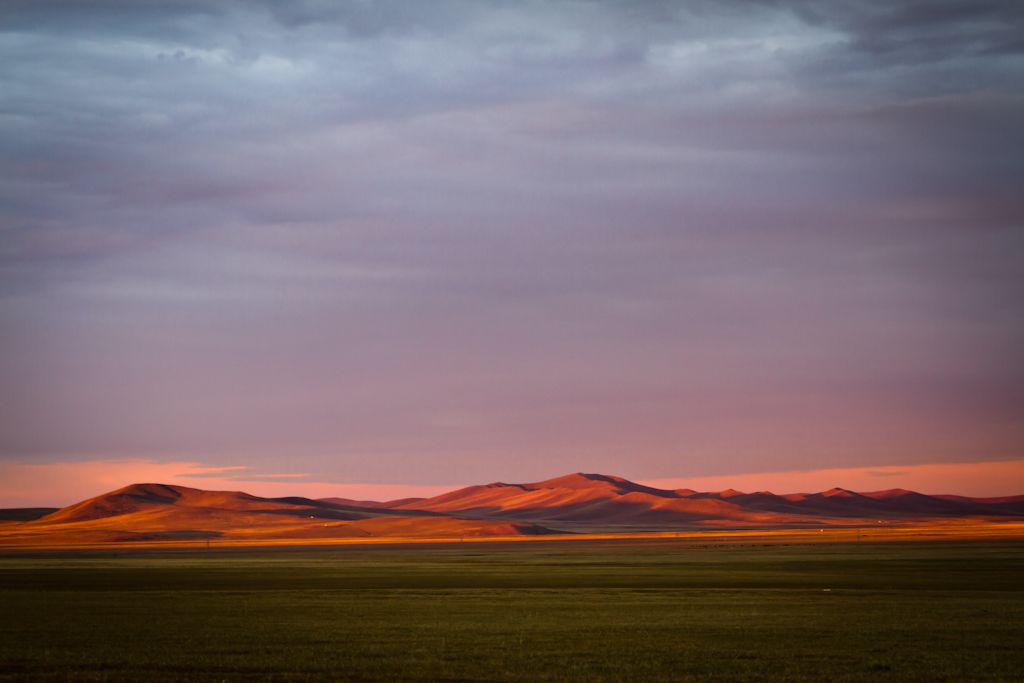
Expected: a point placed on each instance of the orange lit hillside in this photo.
(576, 503)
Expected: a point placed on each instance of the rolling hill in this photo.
(598, 499)
(161, 512)
(572, 503)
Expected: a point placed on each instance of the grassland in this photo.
(637, 609)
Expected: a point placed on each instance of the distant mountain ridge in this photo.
(164, 512)
(570, 503)
(595, 498)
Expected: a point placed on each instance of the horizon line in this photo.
(65, 483)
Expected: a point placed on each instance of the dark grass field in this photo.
(590, 611)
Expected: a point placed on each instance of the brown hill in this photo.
(24, 514)
(160, 498)
(1004, 504)
(369, 503)
(597, 499)
(574, 502)
(160, 512)
(593, 499)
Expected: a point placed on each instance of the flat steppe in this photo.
(669, 608)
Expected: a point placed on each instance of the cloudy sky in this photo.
(411, 244)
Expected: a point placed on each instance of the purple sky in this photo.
(452, 242)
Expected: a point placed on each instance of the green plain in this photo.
(536, 611)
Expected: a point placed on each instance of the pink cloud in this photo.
(25, 484)
(991, 478)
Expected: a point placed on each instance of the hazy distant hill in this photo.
(24, 514)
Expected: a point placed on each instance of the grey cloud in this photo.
(430, 228)
(920, 31)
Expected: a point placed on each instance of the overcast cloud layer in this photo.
(463, 241)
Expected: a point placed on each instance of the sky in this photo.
(393, 247)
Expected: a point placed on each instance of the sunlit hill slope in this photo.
(573, 503)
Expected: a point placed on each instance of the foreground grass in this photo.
(541, 612)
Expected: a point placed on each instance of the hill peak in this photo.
(599, 482)
(890, 493)
(837, 492)
(155, 491)
(581, 480)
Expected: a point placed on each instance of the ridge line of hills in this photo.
(571, 503)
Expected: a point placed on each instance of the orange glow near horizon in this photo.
(62, 483)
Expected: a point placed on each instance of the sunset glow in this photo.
(384, 249)
(54, 484)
